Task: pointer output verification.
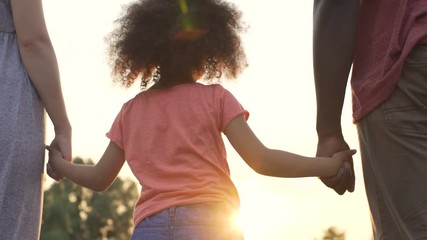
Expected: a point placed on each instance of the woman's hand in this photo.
(61, 144)
(54, 156)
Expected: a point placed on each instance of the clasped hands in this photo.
(62, 144)
(345, 179)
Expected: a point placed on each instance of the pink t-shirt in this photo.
(172, 140)
(387, 32)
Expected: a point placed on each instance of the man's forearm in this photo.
(334, 33)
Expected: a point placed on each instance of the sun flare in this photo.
(263, 213)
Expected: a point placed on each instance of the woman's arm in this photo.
(40, 62)
(279, 163)
(96, 177)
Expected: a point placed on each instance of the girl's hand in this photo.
(344, 159)
(344, 156)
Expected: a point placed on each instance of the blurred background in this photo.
(277, 89)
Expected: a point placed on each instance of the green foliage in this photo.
(71, 212)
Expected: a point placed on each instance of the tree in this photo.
(332, 234)
(71, 212)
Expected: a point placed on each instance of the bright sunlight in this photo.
(263, 215)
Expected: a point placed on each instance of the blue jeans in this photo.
(393, 144)
(203, 221)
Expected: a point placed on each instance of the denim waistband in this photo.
(192, 212)
(206, 220)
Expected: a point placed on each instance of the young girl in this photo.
(170, 133)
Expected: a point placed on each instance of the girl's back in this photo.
(172, 139)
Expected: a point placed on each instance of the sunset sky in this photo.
(277, 89)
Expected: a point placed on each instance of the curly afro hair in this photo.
(166, 41)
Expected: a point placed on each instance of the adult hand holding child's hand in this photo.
(54, 155)
(344, 180)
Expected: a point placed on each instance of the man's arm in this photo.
(334, 33)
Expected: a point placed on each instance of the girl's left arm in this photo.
(96, 177)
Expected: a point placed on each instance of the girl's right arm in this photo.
(279, 163)
(96, 177)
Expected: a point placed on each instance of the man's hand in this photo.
(345, 178)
